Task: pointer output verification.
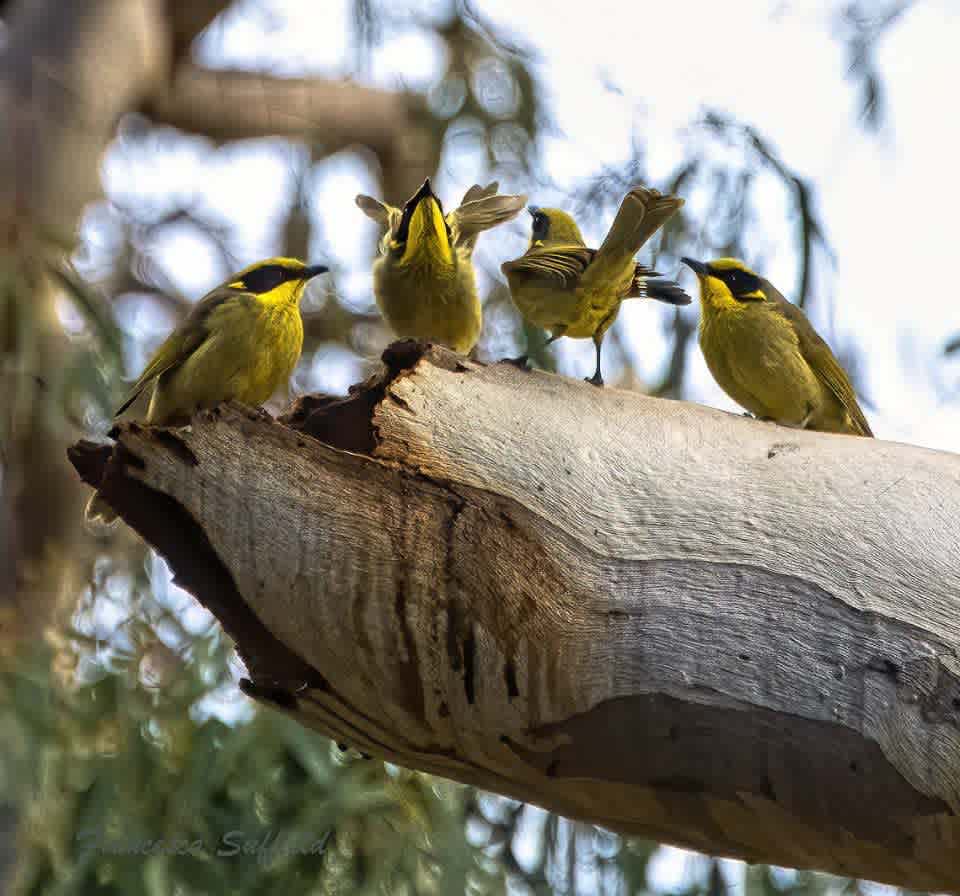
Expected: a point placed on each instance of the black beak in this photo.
(698, 267)
(534, 210)
(312, 270)
(425, 191)
(410, 206)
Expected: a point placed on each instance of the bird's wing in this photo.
(478, 192)
(387, 216)
(181, 343)
(821, 359)
(481, 209)
(563, 265)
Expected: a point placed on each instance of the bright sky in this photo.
(890, 202)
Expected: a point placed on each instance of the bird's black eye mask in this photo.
(541, 224)
(268, 277)
(741, 283)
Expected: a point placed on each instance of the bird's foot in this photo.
(595, 380)
(522, 361)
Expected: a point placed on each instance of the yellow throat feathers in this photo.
(717, 294)
(287, 293)
(427, 239)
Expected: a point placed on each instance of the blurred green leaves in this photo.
(124, 789)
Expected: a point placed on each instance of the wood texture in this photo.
(669, 620)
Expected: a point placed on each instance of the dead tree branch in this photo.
(662, 618)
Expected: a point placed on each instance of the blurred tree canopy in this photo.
(120, 725)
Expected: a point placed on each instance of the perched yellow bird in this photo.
(423, 279)
(767, 357)
(563, 286)
(240, 342)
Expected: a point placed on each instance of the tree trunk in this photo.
(69, 70)
(666, 619)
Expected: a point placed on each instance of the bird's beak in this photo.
(698, 267)
(312, 271)
(534, 210)
(425, 192)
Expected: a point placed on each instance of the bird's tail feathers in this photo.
(642, 213)
(663, 290)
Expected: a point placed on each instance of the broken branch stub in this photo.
(662, 618)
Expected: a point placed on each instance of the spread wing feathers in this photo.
(478, 192)
(821, 359)
(642, 213)
(181, 343)
(562, 265)
(481, 209)
(387, 216)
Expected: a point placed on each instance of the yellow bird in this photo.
(240, 342)
(423, 279)
(766, 355)
(563, 286)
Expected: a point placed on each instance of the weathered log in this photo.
(666, 619)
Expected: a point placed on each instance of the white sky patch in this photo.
(348, 236)
(673, 870)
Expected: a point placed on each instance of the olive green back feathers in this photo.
(557, 252)
(180, 344)
(821, 359)
(766, 355)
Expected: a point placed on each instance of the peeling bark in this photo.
(665, 619)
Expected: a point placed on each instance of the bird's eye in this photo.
(264, 279)
(742, 283)
(541, 225)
